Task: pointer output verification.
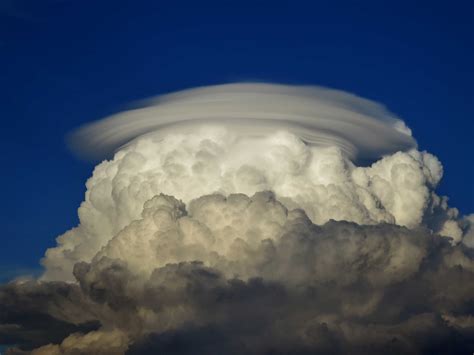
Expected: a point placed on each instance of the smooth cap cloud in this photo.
(361, 128)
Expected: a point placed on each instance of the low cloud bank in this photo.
(268, 281)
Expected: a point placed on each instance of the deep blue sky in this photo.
(64, 63)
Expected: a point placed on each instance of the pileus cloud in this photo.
(237, 219)
(318, 116)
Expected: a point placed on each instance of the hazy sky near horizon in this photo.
(66, 63)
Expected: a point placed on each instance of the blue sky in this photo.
(65, 63)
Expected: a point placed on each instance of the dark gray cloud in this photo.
(333, 289)
(34, 314)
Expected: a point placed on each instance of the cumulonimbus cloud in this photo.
(205, 238)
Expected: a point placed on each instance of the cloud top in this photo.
(361, 128)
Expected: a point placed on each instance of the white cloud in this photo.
(323, 117)
(398, 188)
(205, 238)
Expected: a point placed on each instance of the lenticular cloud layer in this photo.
(236, 219)
(318, 116)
